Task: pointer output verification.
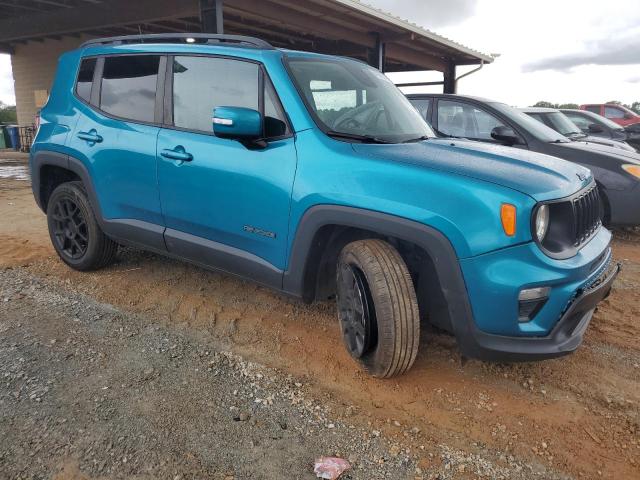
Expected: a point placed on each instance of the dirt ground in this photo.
(573, 417)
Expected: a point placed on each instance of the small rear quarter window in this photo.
(85, 78)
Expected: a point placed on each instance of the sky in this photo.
(562, 51)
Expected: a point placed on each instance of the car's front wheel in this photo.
(76, 236)
(377, 307)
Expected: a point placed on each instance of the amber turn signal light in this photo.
(508, 217)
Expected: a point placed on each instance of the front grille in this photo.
(586, 215)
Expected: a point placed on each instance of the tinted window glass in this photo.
(613, 112)
(579, 120)
(459, 119)
(129, 86)
(202, 83)
(593, 108)
(85, 78)
(423, 106)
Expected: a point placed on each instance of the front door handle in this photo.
(177, 153)
(91, 136)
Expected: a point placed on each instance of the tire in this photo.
(373, 277)
(74, 231)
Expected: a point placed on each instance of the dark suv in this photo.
(313, 175)
(616, 171)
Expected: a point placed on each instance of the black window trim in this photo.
(93, 80)
(263, 76)
(96, 87)
(163, 106)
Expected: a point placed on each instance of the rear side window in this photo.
(202, 83)
(85, 78)
(593, 108)
(129, 86)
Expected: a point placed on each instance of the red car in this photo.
(619, 114)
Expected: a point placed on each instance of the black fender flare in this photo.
(431, 240)
(72, 164)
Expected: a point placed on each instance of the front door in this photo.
(224, 204)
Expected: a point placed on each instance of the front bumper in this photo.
(565, 337)
(491, 329)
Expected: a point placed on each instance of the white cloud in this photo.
(528, 32)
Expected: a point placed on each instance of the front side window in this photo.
(582, 122)
(458, 119)
(85, 79)
(351, 100)
(201, 84)
(613, 112)
(129, 86)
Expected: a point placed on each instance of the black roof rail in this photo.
(229, 40)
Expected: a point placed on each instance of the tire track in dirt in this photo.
(577, 414)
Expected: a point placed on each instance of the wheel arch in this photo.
(50, 169)
(325, 229)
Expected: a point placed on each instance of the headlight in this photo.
(632, 169)
(542, 222)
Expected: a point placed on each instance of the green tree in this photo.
(635, 106)
(8, 113)
(545, 104)
(573, 106)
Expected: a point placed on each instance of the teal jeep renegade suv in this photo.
(313, 175)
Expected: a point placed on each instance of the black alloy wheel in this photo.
(70, 228)
(356, 309)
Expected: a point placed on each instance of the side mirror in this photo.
(595, 128)
(238, 123)
(505, 135)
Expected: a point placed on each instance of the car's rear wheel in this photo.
(75, 234)
(377, 308)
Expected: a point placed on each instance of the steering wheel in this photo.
(348, 121)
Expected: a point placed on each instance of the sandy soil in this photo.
(578, 415)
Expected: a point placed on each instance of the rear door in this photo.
(115, 137)
(228, 205)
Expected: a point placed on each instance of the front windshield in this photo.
(562, 124)
(351, 100)
(534, 127)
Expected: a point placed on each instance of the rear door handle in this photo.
(177, 153)
(91, 136)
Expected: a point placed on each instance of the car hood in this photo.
(617, 153)
(540, 176)
(608, 142)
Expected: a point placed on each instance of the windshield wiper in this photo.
(417, 139)
(355, 136)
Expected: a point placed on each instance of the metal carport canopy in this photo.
(341, 27)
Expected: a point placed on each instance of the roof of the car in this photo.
(451, 96)
(539, 110)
